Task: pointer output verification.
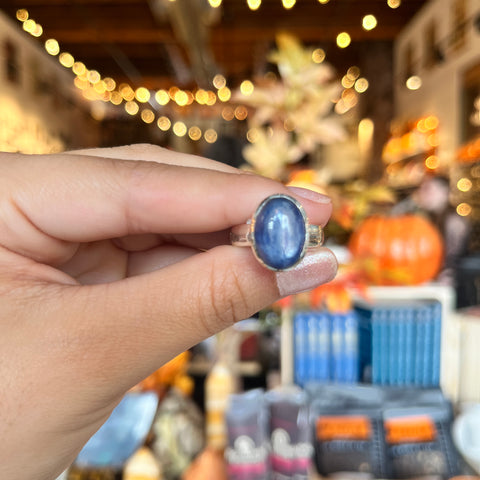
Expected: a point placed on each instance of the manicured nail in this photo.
(310, 195)
(318, 267)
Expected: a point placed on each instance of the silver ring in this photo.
(279, 233)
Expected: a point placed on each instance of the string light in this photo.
(219, 81)
(164, 123)
(94, 87)
(162, 97)
(132, 107)
(288, 4)
(318, 55)
(224, 94)
(195, 133)
(369, 22)
(52, 47)
(246, 88)
(343, 40)
(142, 94)
(210, 135)
(147, 116)
(361, 85)
(414, 82)
(66, 59)
(179, 129)
(394, 3)
(254, 4)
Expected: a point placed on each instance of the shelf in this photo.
(449, 368)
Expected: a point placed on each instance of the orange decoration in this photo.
(403, 250)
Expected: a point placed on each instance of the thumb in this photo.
(148, 319)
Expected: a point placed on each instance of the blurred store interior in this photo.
(375, 103)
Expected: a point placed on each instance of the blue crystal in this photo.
(279, 233)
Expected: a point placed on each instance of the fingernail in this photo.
(316, 268)
(310, 195)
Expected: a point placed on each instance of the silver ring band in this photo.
(241, 236)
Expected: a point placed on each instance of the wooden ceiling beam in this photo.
(114, 35)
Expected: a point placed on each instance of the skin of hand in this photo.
(113, 261)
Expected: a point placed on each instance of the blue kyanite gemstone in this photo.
(279, 233)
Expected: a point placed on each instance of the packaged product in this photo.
(290, 434)
(247, 453)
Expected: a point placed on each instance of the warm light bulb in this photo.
(246, 87)
(464, 209)
(211, 98)
(116, 98)
(181, 98)
(219, 81)
(93, 76)
(254, 4)
(142, 94)
(361, 85)
(464, 184)
(224, 94)
(110, 84)
(241, 112)
(215, 3)
(132, 108)
(228, 114)
(37, 31)
(288, 4)
(210, 135)
(147, 116)
(66, 59)
(179, 129)
(162, 97)
(164, 123)
(201, 96)
(414, 82)
(347, 81)
(343, 40)
(369, 22)
(394, 3)
(79, 68)
(318, 55)
(195, 133)
(29, 25)
(52, 47)
(22, 15)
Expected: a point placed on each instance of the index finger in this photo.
(80, 198)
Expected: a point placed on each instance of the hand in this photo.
(112, 261)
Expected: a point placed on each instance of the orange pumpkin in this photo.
(402, 250)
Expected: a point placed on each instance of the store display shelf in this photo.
(244, 368)
(449, 369)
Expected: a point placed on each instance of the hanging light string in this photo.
(94, 87)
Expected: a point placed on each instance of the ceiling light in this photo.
(219, 81)
(361, 85)
(369, 22)
(164, 123)
(246, 87)
(414, 82)
(254, 4)
(179, 129)
(288, 4)
(318, 55)
(52, 47)
(343, 40)
(394, 3)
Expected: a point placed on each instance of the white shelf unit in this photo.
(449, 366)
